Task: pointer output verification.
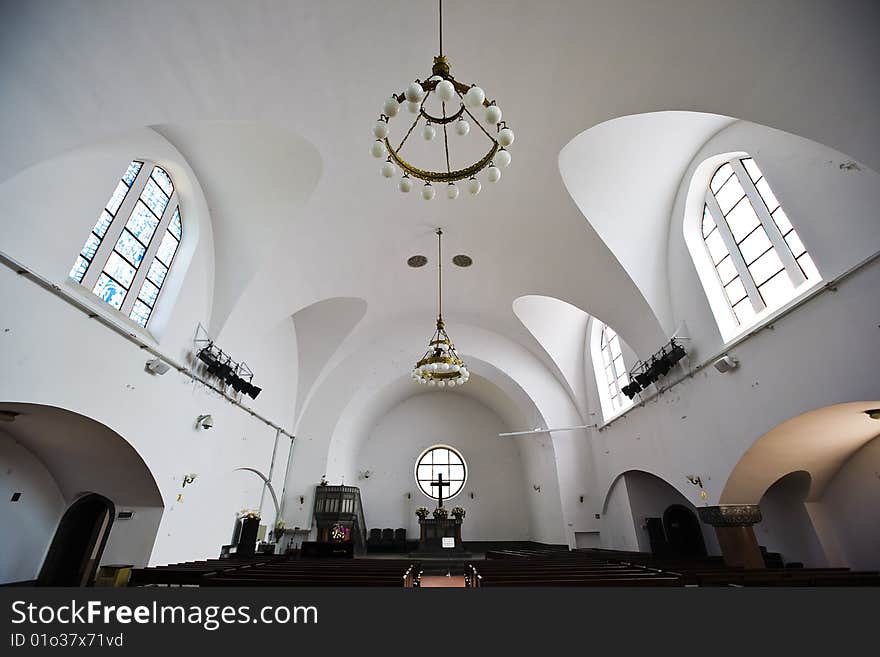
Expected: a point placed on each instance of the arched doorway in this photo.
(683, 532)
(79, 542)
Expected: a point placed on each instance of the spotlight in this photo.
(223, 370)
(644, 379)
(676, 353)
(662, 365)
(655, 369)
(207, 356)
(227, 371)
(631, 390)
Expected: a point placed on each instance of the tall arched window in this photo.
(759, 260)
(127, 255)
(610, 369)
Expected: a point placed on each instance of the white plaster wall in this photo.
(29, 524)
(352, 397)
(47, 347)
(818, 355)
(850, 508)
(786, 526)
(56, 356)
(495, 474)
(618, 528)
(59, 200)
(650, 497)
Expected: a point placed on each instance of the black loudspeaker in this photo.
(247, 540)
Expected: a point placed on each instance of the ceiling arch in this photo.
(623, 175)
(83, 454)
(184, 65)
(320, 329)
(561, 330)
(817, 442)
(256, 178)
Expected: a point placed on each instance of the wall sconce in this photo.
(188, 479)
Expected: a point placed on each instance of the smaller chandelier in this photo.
(441, 365)
(453, 106)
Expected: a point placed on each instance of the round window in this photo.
(441, 463)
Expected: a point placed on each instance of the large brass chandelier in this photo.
(443, 102)
(441, 366)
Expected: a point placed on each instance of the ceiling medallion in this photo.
(452, 104)
(440, 366)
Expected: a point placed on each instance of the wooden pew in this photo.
(280, 571)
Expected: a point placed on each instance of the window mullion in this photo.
(150, 255)
(770, 227)
(114, 230)
(733, 249)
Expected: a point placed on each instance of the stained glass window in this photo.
(93, 241)
(758, 256)
(441, 460)
(150, 210)
(143, 306)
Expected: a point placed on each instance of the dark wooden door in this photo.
(79, 542)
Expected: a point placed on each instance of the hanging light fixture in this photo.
(454, 105)
(441, 365)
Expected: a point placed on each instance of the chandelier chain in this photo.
(446, 140)
(439, 274)
(408, 132)
(475, 120)
(440, 23)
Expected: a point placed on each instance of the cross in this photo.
(440, 484)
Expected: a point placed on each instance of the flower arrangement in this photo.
(422, 512)
(440, 512)
(246, 514)
(278, 532)
(339, 532)
(458, 512)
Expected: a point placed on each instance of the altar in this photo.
(432, 531)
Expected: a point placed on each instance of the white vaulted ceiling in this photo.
(272, 102)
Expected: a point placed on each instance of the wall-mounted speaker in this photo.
(725, 364)
(157, 366)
